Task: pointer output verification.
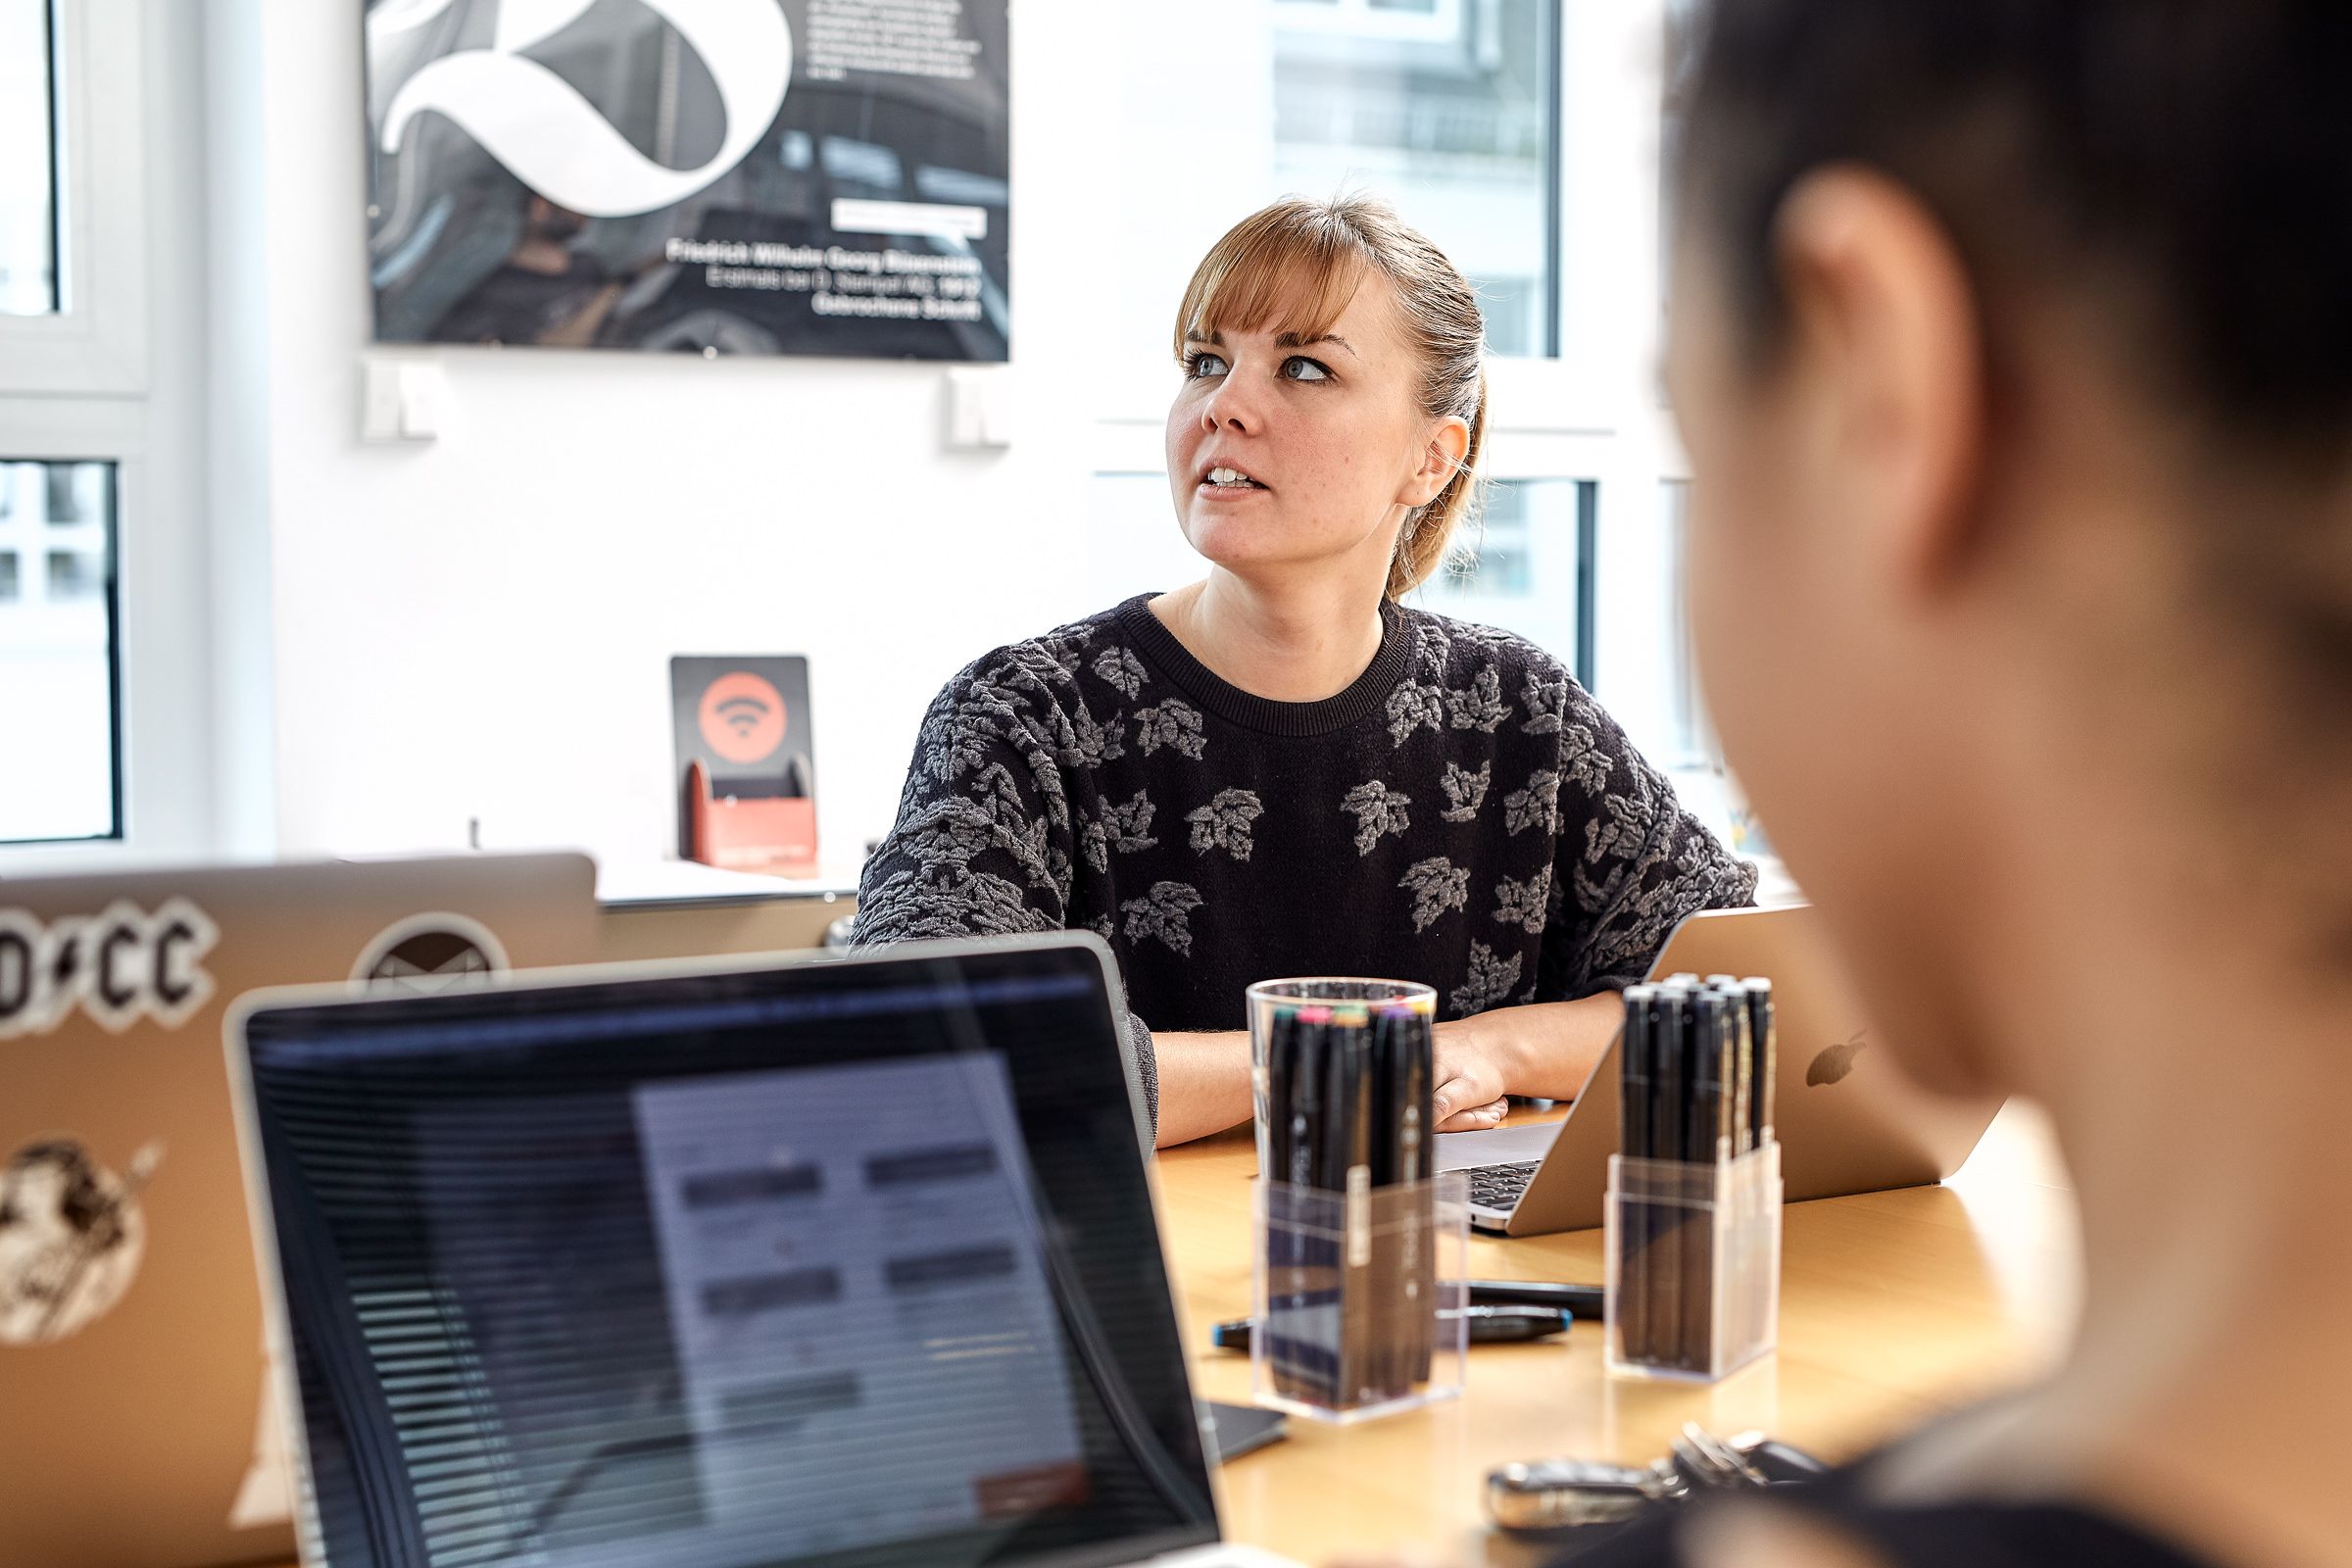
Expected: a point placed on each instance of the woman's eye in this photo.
(1201, 365)
(1298, 367)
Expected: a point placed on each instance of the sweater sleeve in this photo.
(983, 840)
(1631, 863)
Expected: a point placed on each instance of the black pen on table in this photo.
(1486, 1324)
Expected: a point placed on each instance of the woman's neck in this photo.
(2196, 1071)
(1287, 643)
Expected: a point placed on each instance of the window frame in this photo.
(96, 342)
(78, 386)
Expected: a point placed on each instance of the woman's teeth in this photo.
(1232, 478)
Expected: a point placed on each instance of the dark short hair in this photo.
(2185, 162)
(2180, 170)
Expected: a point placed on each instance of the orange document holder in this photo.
(749, 833)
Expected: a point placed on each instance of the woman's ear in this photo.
(1886, 359)
(1441, 459)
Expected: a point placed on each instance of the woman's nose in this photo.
(1232, 407)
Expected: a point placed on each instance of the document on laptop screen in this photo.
(848, 1253)
(768, 1316)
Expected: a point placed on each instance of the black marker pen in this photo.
(1738, 1083)
(1705, 1145)
(1636, 1057)
(1293, 1211)
(1764, 1032)
(1419, 1264)
(1662, 1249)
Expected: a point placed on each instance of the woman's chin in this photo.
(1246, 543)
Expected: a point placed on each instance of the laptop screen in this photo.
(843, 1263)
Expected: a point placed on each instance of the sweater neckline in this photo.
(1364, 695)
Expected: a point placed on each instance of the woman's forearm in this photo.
(1203, 1084)
(1563, 1039)
(1545, 1050)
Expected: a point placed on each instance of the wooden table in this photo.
(1894, 1306)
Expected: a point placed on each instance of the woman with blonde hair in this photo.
(1282, 768)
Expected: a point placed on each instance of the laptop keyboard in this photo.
(1501, 1186)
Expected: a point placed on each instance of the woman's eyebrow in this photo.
(1292, 340)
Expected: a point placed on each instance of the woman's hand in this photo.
(1478, 1062)
(1546, 1049)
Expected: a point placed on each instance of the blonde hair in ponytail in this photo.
(1302, 259)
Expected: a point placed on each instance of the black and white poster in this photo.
(710, 176)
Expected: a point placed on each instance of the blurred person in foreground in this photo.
(2013, 349)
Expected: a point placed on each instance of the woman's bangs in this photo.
(1278, 279)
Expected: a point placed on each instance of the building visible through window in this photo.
(1448, 108)
(59, 652)
(29, 229)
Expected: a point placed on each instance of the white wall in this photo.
(479, 629)
(408, 638)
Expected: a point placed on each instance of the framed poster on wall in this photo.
(710, 176)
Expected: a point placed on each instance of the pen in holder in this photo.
(1692, 1237)
(1359, 1252)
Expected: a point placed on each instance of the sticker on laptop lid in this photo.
(120, 967)
(425, 954)
(72, 1236)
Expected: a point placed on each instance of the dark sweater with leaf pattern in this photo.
(1463, 815)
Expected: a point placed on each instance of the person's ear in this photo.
(1886, 354)
(1448, 447)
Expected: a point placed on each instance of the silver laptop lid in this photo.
(130, 1319)
(842, 1261)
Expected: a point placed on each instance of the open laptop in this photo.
(131, 1380)
(1848, 1120)
(846, 1260)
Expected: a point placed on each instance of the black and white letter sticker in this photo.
(120, 967)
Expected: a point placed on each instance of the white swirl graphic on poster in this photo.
(554, 140)
(72, 1235)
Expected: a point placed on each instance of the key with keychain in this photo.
(1560, 1494)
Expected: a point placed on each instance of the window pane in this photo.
(1444, 107)
(1446, 110)
(1532, 574)
(1693, 734)
(28, 161)
(58, 652)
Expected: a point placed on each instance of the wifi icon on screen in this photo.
(742, 717)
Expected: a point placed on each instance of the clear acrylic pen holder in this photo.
(1359, 1297)
(1694, 1265)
